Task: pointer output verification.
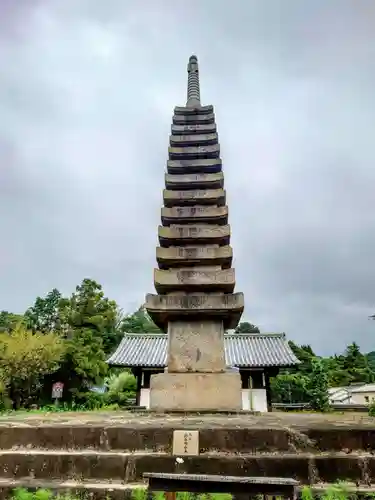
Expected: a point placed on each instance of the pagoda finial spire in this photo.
(193, 93)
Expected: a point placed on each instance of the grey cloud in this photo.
(87, 90)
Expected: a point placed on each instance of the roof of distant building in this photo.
(241, 350)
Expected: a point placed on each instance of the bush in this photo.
(5, 402)
(371, 408)
(121, 388)
(124, 382)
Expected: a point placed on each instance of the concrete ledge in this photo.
(194, 181)
(193, 140)
(201, 110)
(172, 280)
(194, 235)
(193, 119)
(194, 152)
(165, 308)
(189, 256)
(208, 128)
(194, 197)
(194, 166)
(198, 214)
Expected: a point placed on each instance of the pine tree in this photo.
(318, 386)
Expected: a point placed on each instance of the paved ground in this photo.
(141, 420)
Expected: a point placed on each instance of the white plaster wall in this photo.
(145, 398)
(362, 398)
(254, 399)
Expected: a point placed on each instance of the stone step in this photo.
(206, 128)
(194, 181)
(130, 467)
(198, 214)
(194, 152)
(194, 280)
(194, 197)
(193, 140)
(203, 165)
(238, 434)
(194, 234)
(193, 119)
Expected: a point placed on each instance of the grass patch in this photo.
(339, 491)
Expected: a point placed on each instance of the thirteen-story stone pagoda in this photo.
(194, 281)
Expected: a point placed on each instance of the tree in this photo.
(246, 327)
(89, 308)
(290, 388)
(318, 386)
(25, 357)
(88, 325)
(44, 315)
(305, 354)
(8, 321)
(139, 322)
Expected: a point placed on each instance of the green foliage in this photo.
(89, 308)
(317, 387)
(8, 321)
(371, 409)
(123, 382)
(121, 388)
(87, 320)
(44, 315)
(290, 388)
(337, 491)
(246, 327)
(139, 322)
(25, 357)
(294, 385)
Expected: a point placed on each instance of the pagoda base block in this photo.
(196, 392)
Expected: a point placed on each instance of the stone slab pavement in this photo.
(144, 419)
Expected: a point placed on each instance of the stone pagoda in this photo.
(195, 303)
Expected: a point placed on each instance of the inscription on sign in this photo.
(57, 390)
(185, 442)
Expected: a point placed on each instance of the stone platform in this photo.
(98, 452)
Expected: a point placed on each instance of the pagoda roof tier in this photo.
(193, 140)
(194, 197)
(194, 235)
(194, 181)
(193, 255)
(194, 214)
(207, 128)
(195, 152)
(165, 308)
(201, 110)
(193, 119)
(203, 165)
(194, 280)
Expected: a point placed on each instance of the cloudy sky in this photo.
(87, 90)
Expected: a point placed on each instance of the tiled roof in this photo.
(243, 350)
